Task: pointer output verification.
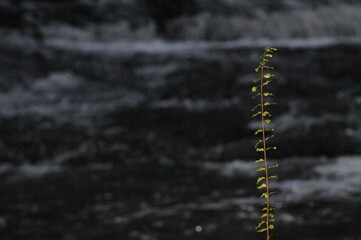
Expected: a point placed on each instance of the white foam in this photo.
(231, 169)
(238, 168)
(196, 104)
(64, 97)
(295, 23)
(246, 203)
(30, 170)
(338, 180)
(58, 81)
(292, 119)
(300, 23)
(197, 47)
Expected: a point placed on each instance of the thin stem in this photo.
(265, 153)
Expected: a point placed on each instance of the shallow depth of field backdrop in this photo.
(130, 119)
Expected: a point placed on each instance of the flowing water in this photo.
(106, 138)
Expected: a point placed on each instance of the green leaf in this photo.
(258, 131)
(266, 82)
(256, 80)
(267, 138)
(265, 195)
(258, 105)
(259, 149)
(268, 49)
(258, 143)
(262, 230)
(262, 186)
(266, 113)
(260, 179)
(271, 148)
(269, 67)
(254, 89)
(260, 169)
(262, 63)
(258, 161)
(267, 75)
(273, 177)
(271, 226)
(267, 94)
(256, 114)
(273, 166)
(260, 224)
(269, 103)
(256, 69)
(267, 121)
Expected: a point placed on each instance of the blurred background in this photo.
(131, 119)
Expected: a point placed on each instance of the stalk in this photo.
(266, 223)
(265, 152)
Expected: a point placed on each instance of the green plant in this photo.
(266, 223)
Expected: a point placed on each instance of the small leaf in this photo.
(273, 166)
(260, 179)
(262, 186)
(256, 114)
(258, 131)
(272, 177)
(269, 103)
(258, 143)
(260, 224)
(266, 82)
(266, 113)
(267, 121)
(258, 105)
(268, 75)
(271, 226)
(256, 80)
(256, 69)
(269, 67)
(265, 195)
(260, 169)
(262, 63)
(254, 89)
(267, 138)
(271, 148)
(258, 161)
(262, 230)
(267, 94)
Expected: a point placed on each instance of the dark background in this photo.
(131, 119)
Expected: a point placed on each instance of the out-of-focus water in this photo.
(103, 137)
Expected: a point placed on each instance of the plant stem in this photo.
(265, 153)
